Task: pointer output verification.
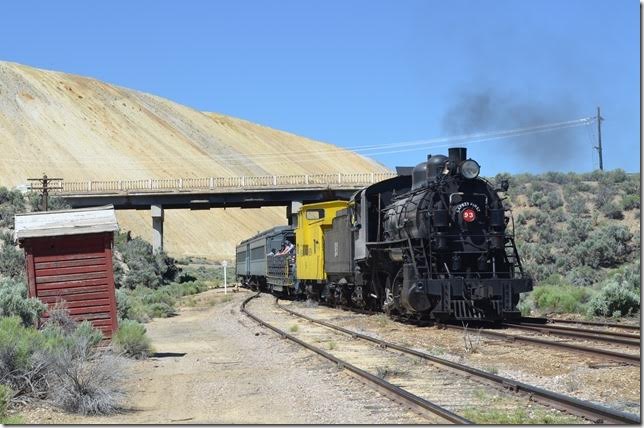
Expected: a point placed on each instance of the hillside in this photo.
(80, 128)
(579, 237)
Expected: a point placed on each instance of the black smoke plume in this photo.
(489, 110)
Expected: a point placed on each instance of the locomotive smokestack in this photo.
(457, 154)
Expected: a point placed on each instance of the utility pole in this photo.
(225, 264)
(599, 140)
(45, 187)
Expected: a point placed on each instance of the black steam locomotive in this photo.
(430, 244)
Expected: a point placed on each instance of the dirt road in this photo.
(233, 371)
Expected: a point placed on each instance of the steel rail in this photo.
(582, 330)
(380, 384)
(616, 356)
(600, 324)
(592, 411)
(557, 332)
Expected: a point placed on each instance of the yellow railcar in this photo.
(312, 221)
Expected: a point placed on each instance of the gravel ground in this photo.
(234, 372)
(459, 394)
(584, 377)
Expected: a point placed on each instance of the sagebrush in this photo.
(132, 340)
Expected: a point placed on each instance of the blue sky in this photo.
(357, 73)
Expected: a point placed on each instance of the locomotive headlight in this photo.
(470, 169)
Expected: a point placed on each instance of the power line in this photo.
(370, 150)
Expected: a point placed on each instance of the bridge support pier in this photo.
(157, 228)
(291, 212)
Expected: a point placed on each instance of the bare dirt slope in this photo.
(80, 128)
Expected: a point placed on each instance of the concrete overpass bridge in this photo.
(156, 195)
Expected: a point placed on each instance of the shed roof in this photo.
(65, 222)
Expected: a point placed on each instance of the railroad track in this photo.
(610, 337)
(587, 410)
(579, 333)
(594, 323)
(631, 359)
(386, 388)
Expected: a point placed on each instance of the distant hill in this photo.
(80, 128)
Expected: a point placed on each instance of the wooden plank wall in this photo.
(78, 270)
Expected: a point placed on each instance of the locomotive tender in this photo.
(430, 245)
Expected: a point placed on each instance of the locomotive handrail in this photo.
(212, 183)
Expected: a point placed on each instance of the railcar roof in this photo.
(277, 230)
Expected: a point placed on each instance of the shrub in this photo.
(582, 276)
(537, 199)
(53, 203)
(603, 196)
(524, 217)
(144, 269)
(14, 302)
(558, 215)
(59, 317)
(555, 295)
(560, 299)
(22, 367)
(554, 201)
(556, 177)
(6, 394)
(60, 364)
(130, 307)
(577, 230)
(89, 386)
(81, 379)
(612, 211)
(620, 293)
(12, 202)
(160, 310)
(132, 340)
(540, 217)
(142, 303)
(547, 233)
(577, 205)
(630, 202)
(614, 300)
(12, 261)
(616, 176)
(608, 247)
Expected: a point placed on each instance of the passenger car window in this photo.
(315, 214)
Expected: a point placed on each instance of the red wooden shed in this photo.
(69, 257)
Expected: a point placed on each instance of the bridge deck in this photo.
(218, 184)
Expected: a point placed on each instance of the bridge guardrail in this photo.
(212, 183)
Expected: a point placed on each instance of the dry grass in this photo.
(471, 341)
(384, 372)
(89, 385)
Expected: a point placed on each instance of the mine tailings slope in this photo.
(80, 128)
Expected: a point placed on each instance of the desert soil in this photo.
(93, 130)
(234, 371)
